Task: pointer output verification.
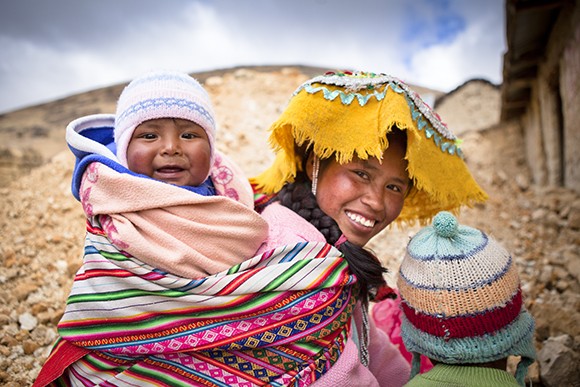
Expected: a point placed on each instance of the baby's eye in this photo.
(148, 136)
(189, 136)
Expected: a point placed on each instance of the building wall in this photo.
(552, 120)
(533, 142)
(570, 92)
(480, 103)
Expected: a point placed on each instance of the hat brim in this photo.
(441, 179)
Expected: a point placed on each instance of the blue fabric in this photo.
(516, 338)
(104, 135)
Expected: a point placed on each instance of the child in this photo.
(169, 291)
(462, 308)
(164, 132)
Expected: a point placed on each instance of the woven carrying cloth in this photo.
(280, 318)
(343, 115)
(155, 221)
(277, 319)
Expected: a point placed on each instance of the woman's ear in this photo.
(309, 165)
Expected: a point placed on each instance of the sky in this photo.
(51, 49)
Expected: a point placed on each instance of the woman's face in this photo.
(364, 196)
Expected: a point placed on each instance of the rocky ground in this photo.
(42, 226)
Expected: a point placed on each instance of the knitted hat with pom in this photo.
(461, 298)
(162, 94)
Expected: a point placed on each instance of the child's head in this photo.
(461, 298)
(160, 106)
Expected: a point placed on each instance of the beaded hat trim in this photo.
(362, 86)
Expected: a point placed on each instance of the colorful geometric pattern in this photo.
(280, 319)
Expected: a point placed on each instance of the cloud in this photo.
(57, 48)
(42, 73)
(476, 52)
(431, 22)
(36, 70)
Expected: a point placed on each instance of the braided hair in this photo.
(367, 268)
(369, 271)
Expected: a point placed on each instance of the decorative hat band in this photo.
(465, 325)
(361, 87)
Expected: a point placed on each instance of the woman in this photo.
(355, 152)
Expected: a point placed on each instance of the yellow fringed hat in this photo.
(343, 114)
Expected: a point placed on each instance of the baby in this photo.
(135, 181)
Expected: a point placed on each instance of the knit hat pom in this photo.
(445, 224)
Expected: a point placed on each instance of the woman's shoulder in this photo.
(287, 227)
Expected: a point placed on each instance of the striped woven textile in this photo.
(278, 319)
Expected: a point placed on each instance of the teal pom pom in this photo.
(445, 224)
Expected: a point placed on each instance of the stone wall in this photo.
(473, 106)
(570, 91)
(533, 142)
(552, 133)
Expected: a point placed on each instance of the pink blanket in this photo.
(171, 228)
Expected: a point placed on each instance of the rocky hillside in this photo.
(42, 226)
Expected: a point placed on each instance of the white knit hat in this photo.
(162, 94)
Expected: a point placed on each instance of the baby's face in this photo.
(172, 150)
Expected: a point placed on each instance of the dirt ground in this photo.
(42, 225)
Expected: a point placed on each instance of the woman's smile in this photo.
(359, 219)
